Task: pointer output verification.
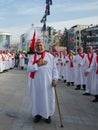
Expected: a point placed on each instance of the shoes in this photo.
(68, 84)
(72, 83)
(64, 81)
(84, 87)
(48, 120)
(95, 100)
(86, 94)
(37, 118)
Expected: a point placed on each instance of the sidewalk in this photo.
(78, 112)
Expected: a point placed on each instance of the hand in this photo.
(42, 62)
(45, 62)
(86, 73)
(54, 83)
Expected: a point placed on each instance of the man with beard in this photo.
(42, 80)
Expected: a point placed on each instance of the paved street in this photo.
(78, 112)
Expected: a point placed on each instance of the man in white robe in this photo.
(94, 66)
(42, 80)
(70, 68)
(79, 76)
(88, 61)
(65, 67)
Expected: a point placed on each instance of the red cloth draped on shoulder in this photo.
(36, 61)
(90, 58)
(97, 64)
(71, 58)
(22, 56)
(82, 55)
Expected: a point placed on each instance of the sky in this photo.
(16, 16)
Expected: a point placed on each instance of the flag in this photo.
(47, 11)
(44, 27)
(33, 41)
(44, 18)
(49, 2)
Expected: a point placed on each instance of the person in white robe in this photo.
(70, 68)
(79, 70)
(21, 60)
(94, 66)
(43, 76)
(65, 67)
(60, 65)
(88, 61)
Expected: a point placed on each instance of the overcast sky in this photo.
(16, 16)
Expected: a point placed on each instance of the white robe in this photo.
(41, 89)
(94, 67)
(60, 66)
(21, 61)
(89, 79)
(70, 70)
(79, 71)
(65, 68)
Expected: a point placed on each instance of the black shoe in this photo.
(86, 94)
(84, 86)
(68, 83)
(77, 87)
(37, 118)
(95, 100)
(64, 81)
(48, 120)
(72, 83)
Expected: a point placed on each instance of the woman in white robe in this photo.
(45, 76)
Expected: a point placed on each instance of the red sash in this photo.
(71, 63)
(90, 58)
(82, 55)
(61, 63)
(22, 56)
(36, 61)
(97, 64)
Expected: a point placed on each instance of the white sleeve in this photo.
(32, 67)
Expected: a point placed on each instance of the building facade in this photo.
(92, 36)
(74, 37)
(4, 41)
